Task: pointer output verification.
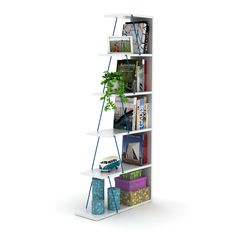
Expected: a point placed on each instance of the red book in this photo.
(145, 75)
(145, 151)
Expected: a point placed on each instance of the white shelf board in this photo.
(96, 173)
(86, 213)
(126, 94)
(107, 133)
(127, 16)
(124, 54)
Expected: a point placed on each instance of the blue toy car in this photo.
(109, 163)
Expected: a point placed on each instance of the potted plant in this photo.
(113, 84)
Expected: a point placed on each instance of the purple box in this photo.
(131, 185)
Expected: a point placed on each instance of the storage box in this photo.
(136, 197)
(113, 198)
(98, 207)
(132, 175)
(131, 185)
(97, 188)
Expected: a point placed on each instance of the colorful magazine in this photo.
(132, 73)
(128, 70)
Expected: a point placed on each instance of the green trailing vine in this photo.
(109, 80)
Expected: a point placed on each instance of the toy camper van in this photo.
(109, 163)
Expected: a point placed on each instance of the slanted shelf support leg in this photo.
(95, 153)
(119, 155)
(103, 104)
(108, 68)
(113, 196)
(136, 35)
(126, 121)
(89, 193)
(130, 77)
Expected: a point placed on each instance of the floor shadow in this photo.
(160, 212)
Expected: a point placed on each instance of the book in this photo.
(125, 116)
(133, 149)
(140, 113)
(128, 70)
(145, 149)
(147, 115)
(140, 76)
(139, 34)
(132, 71)
(145, 76)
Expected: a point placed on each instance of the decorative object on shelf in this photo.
(98, 207)
(139, 31)
(131, 185)
(113, 198)
(109, 163)
(133, 149)
(98, 188)
(122, 44)
(132, 198)
(125, 114)
(113, 84)
(97, 196)
(132, 175)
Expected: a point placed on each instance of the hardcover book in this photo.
(125, 116)
(128, 70)
(140, 76)
(145, 149)
(133, 149)
(133, 74)
(140, 114)
(147, 115)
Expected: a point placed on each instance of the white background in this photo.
(48, 70)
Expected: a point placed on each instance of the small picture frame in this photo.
(121, 44)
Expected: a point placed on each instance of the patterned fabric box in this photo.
(98, 206)
(132, 175)
(97, 188)
(136, 197)
(131, 185)
(113, 193)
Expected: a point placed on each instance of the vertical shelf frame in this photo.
(147, 171)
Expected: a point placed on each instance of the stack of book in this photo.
(132, 115)
(134, 73)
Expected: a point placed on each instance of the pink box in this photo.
(131, 185)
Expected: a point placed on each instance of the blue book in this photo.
(133, 149)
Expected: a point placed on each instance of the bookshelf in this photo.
(84, 209)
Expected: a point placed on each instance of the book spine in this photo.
(145, 158)
(140, 76)
(134, 114)
(138, 115)
(146, 39)
(145, 75)
(141, 108)
(147, 114)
